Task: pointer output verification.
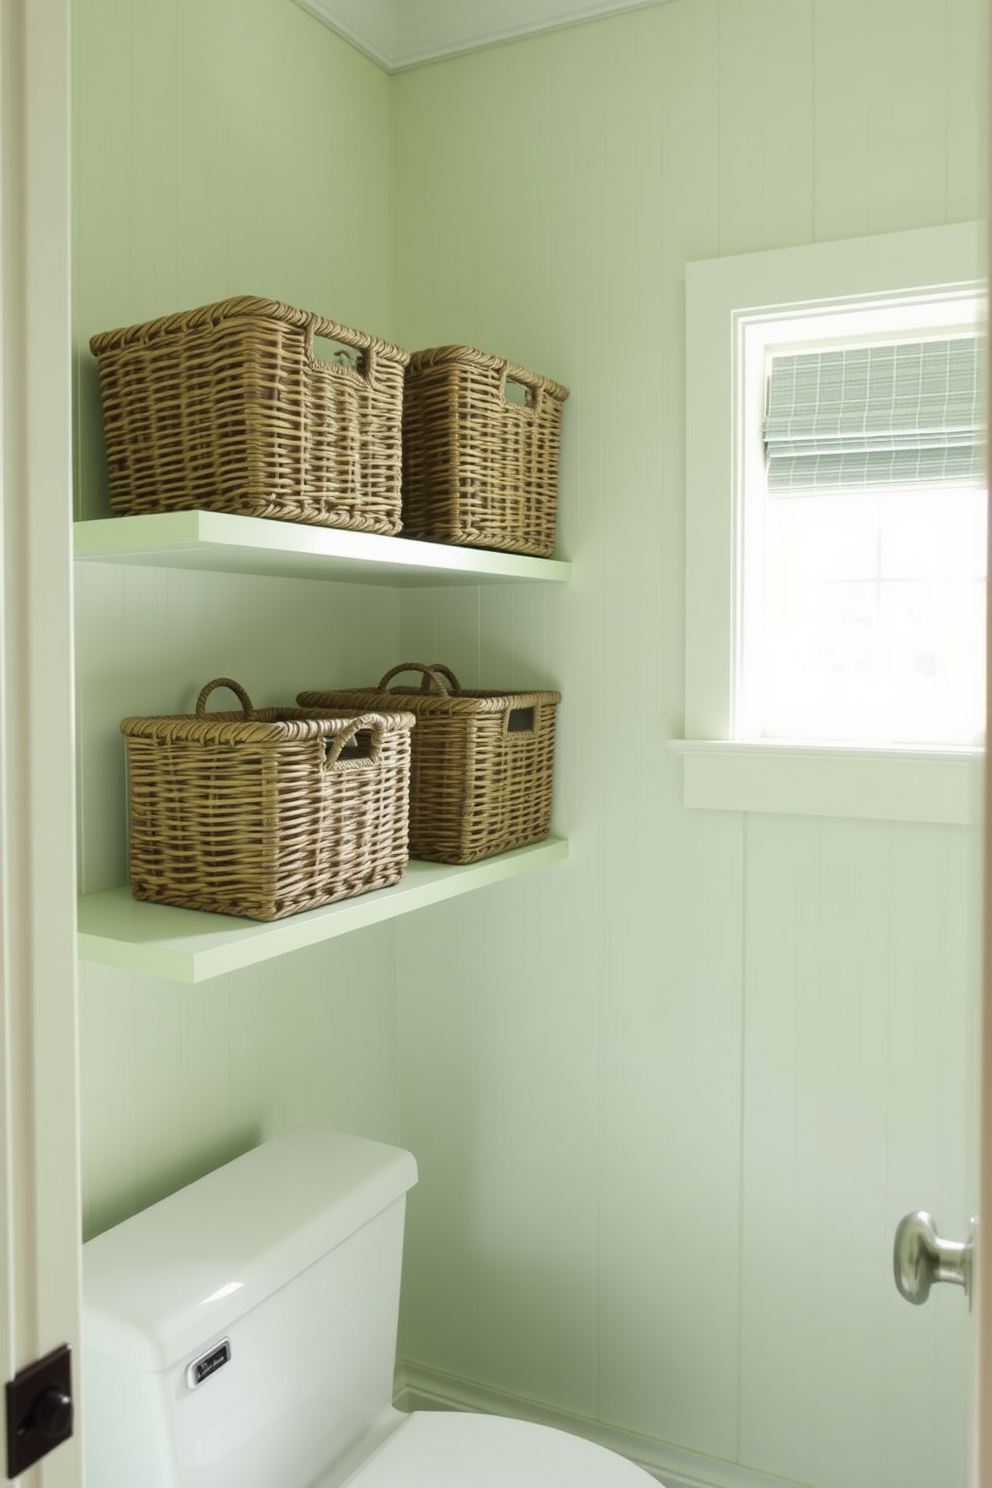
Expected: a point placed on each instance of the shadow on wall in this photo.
(117, 1203)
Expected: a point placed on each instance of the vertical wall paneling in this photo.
(885, 135)
(766, 109)
(752, 992)
(498, 1059)
(967, 108)
(219, 149)
(177, 1080)
(670, 1103)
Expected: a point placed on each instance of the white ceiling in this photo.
(401, 33)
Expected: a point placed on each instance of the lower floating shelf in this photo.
(183, 945)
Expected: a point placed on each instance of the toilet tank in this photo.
(242, 1332)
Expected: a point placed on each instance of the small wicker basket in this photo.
(228, 408)
(482, 763)
(481, 445)
(265, 812)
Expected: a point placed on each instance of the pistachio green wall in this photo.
(220, 147)
(670, 1100)
(662, 1096)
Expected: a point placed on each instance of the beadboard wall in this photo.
(669, 1098)
(670, 1103)
(220, 148)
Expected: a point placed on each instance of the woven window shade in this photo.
(912, 413)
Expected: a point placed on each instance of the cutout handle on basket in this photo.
(520, 721)
(337, 354)
(518, 393)
(235, 687)
(431, 682)
(327, 346)
(373, 723)
(521, 389)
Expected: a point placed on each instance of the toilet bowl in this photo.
(242, 1334)
(442, 1449)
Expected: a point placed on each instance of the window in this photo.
(862, 596)
(835, 583)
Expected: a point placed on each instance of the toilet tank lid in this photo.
(176, 1274)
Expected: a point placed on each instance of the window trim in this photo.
(724, 296)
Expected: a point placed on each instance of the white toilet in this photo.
(241, 1334)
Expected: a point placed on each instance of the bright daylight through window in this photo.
(863, 546)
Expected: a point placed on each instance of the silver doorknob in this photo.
(920, 1257)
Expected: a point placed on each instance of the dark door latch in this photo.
(39, 1409)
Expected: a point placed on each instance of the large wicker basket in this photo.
(482, 763)
(266, 812)
(228, 408)
(481, 445)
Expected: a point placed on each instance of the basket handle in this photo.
(531, 382)
(453, 683)
(372, 721)
(431, 681)
(318, 328)
(236, 688)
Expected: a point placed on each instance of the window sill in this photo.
(918, 785)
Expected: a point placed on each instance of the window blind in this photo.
(911, 413)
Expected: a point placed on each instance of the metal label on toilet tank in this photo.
(207, 1364)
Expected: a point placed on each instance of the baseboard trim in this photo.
(421, 1388)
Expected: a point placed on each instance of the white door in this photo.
(39, 1186)
(921, 1256)
(982, 1471)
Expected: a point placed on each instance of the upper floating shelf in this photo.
(220, 542)
(183, 945)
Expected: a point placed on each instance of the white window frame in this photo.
(724, 299)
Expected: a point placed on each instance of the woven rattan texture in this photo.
(482, 763)
(227, 408)
(478, 468)
(266, 812)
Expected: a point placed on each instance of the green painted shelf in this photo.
(183, 945)
(220, 542)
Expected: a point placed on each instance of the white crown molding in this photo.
(369, 24)
(403, 33)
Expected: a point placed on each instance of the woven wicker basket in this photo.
(265, 812)
(228, 408)
(480, 467)
(482, 763)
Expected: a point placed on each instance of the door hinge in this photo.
(39, 1409)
